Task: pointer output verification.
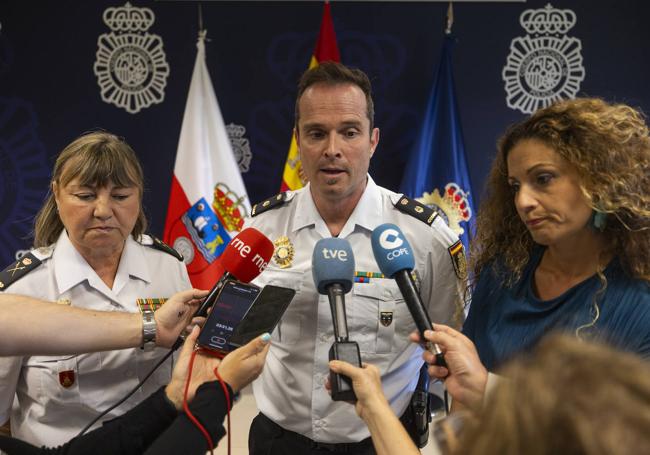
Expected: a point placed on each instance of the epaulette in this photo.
(270, 203)
(17, 270)
(416, 209)
(162, 246)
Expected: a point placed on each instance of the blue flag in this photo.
(436, 173)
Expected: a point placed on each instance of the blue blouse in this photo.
(504, 321)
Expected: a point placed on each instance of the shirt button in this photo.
(129, 373)
(324, 337)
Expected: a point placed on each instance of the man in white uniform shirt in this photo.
(336, 139)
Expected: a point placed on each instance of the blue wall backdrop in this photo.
(49, 92)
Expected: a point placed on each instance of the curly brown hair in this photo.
(559, 400)
(609, 147)
(95, 159)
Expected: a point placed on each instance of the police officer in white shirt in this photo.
(91, 252)
(335, 135)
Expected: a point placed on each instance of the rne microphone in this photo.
(333, 272)
(243, 259)
(394, 257)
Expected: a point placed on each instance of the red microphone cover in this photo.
(247, 254)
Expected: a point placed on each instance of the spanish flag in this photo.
(326, 50)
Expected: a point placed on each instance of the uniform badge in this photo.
(386, 318)
(283, 254)
(457, 253)
(66, 378)
(149, 304)
(364, 277)
(18, 269)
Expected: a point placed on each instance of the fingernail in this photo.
(428, 333)
(266, 337)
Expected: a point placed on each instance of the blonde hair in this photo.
(95, 159)
(569, 397)
(609, 147)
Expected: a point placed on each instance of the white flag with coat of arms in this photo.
(208, 199)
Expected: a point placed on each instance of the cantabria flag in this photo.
(208, 200)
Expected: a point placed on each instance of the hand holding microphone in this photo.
(333, 271)
(394, 257)
(243, 259)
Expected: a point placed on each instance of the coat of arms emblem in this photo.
(131, 68)
(546, 65)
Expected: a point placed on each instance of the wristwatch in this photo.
(148, 330)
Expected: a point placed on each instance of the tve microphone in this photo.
(333, 271)
(394, 257)
(245, 257)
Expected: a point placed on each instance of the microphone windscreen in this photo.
(333, 262)
(247, 254)
(391, 249)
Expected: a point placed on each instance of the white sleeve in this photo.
(9, 372)
(185, 277)
(443, 294)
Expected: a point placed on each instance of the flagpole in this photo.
(450, 18)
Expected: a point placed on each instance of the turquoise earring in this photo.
(598, 220)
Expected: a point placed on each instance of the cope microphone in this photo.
(333, 271)
(394, 257)
(243, 259)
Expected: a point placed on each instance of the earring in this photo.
(598, 220)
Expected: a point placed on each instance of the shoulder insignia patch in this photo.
(162, 246)
(17, 270)
(457, 253)
(416, 209)
(268, 204)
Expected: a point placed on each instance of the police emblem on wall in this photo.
(546, 65)
(452, 205)
(131, 68)
(240, 146)
(24, 176)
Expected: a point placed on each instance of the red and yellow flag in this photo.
(326, 50)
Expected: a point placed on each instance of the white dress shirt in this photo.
(291, 389)
(44, 411)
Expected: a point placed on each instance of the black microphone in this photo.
(333, 272)
(395, 260)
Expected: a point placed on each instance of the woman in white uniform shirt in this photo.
(90, 252)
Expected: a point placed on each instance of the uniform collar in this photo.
(367, 214)
(70, 268)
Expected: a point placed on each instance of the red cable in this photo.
(225, 392)
(186, 408)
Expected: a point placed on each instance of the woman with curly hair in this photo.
(563, 234)
(563, 238)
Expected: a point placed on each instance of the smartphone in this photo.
(233, 302)
(264, 315)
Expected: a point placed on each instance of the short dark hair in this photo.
(333, 73)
